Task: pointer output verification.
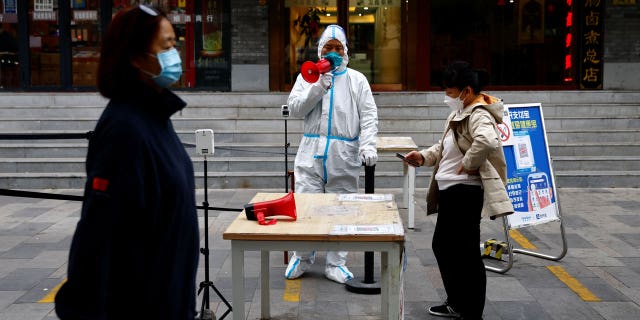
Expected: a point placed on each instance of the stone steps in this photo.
(240, 150)
(593, 136)
(268, 125)
(276, 164)
(385, 112)
(268, 179)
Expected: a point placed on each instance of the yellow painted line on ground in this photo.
(573, 284)
(292, 290)
(521, 240)
(50, 297)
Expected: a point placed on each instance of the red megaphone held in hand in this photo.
(312, 71)
(285, 206)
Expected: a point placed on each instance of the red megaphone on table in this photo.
(312, 71)
(258, 211)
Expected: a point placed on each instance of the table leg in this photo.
(237, 277)
(390, 265)
(384, 284)
(265, 303)
(405, 185)
(410, 195)
(394, 267)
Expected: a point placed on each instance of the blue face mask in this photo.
(171, 68)
(335, 59)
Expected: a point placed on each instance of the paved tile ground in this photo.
(602, 264)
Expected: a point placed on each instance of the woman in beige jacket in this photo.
(468, 183)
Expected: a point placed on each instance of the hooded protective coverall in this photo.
(340, 130)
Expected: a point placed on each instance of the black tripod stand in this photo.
(205, 312)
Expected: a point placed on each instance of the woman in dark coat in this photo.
(134, 254)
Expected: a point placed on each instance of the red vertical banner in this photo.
(592, 44)
(570, 68)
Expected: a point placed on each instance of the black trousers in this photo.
(456, 245)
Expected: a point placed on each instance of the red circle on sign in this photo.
(505, 133)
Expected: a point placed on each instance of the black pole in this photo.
(369, 178)
(205, 311)
(368, 285)
(205, 251)
(368, 267)
(205, 203)
(369, 187)
(286, 158)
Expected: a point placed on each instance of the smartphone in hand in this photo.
(411, 162)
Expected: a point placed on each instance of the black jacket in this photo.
(134, 253)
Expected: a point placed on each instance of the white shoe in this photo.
(296, 268)
(339, 274)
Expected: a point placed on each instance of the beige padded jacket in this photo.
(476, 136)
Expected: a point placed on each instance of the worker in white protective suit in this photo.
(340, 132)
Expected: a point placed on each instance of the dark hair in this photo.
(459, 74)
(130, 35)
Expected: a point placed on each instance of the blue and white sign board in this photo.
(530, 182)
(10, 6)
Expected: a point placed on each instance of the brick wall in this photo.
(622, 33)
(249, 32)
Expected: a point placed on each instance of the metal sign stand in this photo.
(511, 250)
(528, 123)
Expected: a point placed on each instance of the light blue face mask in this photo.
(335, 59)
(171, 68)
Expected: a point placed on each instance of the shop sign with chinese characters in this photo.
(180, 18)
(85, 15)
(592, 44)
(10, 6)
(45, 16)
(624, 2)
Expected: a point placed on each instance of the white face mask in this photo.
(456, 104)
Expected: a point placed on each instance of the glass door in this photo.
(180, 15)
(201, 28)
(374, 37)
(9, 66)
(306, 25)
(520, 43)
(44, 43)
(375, 40)
(86, 40)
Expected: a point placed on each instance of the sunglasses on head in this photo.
(148, 10)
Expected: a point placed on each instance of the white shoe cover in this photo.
(339, 274)
(298, 265)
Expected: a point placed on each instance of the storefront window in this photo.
(518, 42)
(44, 43)
(9, 67)
(86, 40)
(373, 35)
(213, 45)
(306, 27)
(177, 14)
(375, 40)
(202, 40)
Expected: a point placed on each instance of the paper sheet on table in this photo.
(365, 197)
(324, 211)
(341, 229)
